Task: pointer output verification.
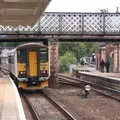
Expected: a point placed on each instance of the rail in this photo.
(51, 100)
(109, 82)
(4, 70)
(31, 107)
(106, 91)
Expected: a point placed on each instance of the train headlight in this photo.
(43, 73)
(22, 74)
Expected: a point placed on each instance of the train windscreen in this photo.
(22, 56)
(43, 54)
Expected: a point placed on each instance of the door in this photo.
(32, 63)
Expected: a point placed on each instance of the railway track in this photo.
(106, 91)
(31, 107)
(41, 105)
(4, 70)
(33, 101)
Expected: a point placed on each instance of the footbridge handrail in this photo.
(70, 23)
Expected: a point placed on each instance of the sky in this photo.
(82, 5)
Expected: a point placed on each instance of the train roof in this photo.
(27, 45)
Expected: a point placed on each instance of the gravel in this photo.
(94, 107)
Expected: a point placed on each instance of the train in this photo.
(29, 65)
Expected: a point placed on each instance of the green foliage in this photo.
(70, 52)
(91, 47)
(79, 49)
(65, 60)
(10, 44)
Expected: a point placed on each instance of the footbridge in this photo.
(64, 26)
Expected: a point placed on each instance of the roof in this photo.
(21, 12)
(26, 45)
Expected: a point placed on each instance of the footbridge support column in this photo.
(53, 50)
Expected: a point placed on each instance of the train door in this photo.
(32, 56)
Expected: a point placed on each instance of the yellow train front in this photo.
(29, 66)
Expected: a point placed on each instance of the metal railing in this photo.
(70, 24)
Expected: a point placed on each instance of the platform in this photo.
(10, 102)
(112, 75)
(93, 71)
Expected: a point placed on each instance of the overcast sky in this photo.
(82, 5)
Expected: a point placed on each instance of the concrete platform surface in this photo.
(105, 74)
(10, 102)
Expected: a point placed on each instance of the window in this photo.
(11, 59)
(43, 54)
(22, 56)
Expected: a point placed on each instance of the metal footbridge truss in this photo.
(71, 24)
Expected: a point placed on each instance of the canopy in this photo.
(21, 12)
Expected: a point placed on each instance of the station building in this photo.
(109, 51)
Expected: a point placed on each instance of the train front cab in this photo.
(32, 67)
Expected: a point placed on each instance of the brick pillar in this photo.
(98, 59)
(118, 57)
(53, 51)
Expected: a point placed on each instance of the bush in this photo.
(66, 60)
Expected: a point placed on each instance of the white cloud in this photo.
(82, 5)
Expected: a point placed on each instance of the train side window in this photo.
(11, 59)
(22, 56)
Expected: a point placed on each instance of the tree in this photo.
(10, 44)
(65, 60)
(79, 49)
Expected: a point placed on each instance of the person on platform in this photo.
(107, 65)
(102, 65)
